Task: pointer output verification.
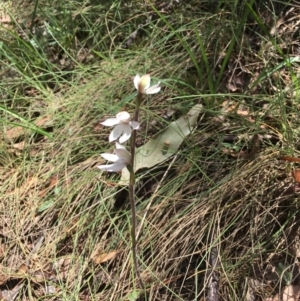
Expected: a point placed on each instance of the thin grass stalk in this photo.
(36, 2)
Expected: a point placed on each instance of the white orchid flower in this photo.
(121, 159)
(123, 126)
(142, 84)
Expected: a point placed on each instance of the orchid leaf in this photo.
(164, 144)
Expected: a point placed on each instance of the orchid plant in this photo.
(124, 129)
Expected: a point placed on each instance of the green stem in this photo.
(33, 16)
(139, 99)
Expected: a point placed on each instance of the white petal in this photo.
(110, 122)
(136, 81)
(110, 157)
(119, 146)
(124, 155)
(154, 89)
(126, 133)
(116, 132)
(144, 83)
(134, 124)
(105, 167)
(118, 166)
(123, 117)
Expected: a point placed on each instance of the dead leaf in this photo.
(290, 293)
(5, 20)
(62, 266)
(235, 83)
(231, 86)
(229, 106)
(290, 159)
(253, 286)
(296, 175)
(52, 184)
(242, 112)
(12, 294)
(44, 121)
(20, 145)
(14, 133)
(50, 289)
(7, 274)
(105, 257)
(67, 268)
(100, 257)
(42, 276)
(53, 181)
(22, 269)
(18, 131)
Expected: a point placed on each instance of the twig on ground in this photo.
(213, 278)
(132, 37)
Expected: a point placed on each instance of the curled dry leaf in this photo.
(296, 175)
(53, 182)
(105, 257)
(19, 146)
(296, 171)
(290, 159)
(100, 257)
(22, 270)
(243, 112)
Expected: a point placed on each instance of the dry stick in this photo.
(132, 193)
(214, 277)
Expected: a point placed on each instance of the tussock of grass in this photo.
(225, 192)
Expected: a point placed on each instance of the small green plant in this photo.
(285, 274)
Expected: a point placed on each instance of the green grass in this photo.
(222, 192)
